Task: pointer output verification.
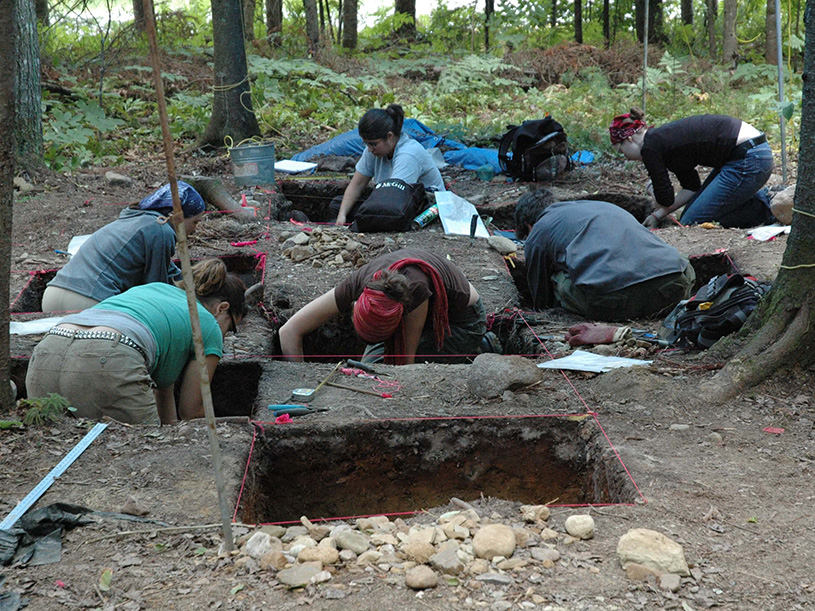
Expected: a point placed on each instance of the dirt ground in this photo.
(736, 497)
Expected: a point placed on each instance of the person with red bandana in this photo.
(404, 304)
(740, 159)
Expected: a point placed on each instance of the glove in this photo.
(651, 222)
(586, 334)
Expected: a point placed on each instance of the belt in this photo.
(740, 151)
(108, 335)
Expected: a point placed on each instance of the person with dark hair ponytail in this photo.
(406, 303)
(122, 357)
(388, 154)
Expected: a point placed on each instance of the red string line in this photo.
(255, 427)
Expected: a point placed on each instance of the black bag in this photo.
(391, 207)
(535, 150)
(719, 308)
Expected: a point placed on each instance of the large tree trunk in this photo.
(407, 8)
(687, 12)
(578, 21)
(248, 20)
(783, 326)
(27, 92)
(553, 16)
(606, 23)
(7, 110)
(274, 20)
(730, 52)
(139, 20)
(232, 113)
(43, 11)
(489, 9)
(312, 26)
(711, 15)
(771, 50)
(349, 24)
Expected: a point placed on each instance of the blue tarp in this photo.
(350, 144)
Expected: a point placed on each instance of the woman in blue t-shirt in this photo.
(388, 154)
(122, 357)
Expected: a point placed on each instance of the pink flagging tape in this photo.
(260, 425)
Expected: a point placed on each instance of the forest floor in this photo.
(735, 494)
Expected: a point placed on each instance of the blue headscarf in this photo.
(192, 204)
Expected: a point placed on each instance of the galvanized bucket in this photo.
(253, 164)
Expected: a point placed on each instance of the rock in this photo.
(350, 539)
(118, 180)
(421, 578)
(321, 577)
(511, 564)
(715, 438)
(292, 532)
(653, 550)
(418, 551)
(501, 605)
(260, 543)
(301, 239)
(670, 582)
(384, 539)
(447, 561)
(301, 253)
(639, 572)
(334, 594)
(479, 566)
(22, 185)
(454, 531)
(499, 579)
(545, 553)
(491, 374)
(547, 534)
(535, 513)
(679, 427)
(494, 540)
(580, 526)
(422, 534)
(781, 205)
(298, 576)
(325, 555)
(503, 245)
(132, 507)
(346, 555)
(247, 563)
(273, 560)
(370, 556)
(273, 530)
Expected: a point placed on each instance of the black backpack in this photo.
(719, 308)
(535, 150)
(391, 207)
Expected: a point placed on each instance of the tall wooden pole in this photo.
(186, 273)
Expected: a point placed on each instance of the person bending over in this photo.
(137, 248)
(122, 357)
(411, 301)
(740, 158)
(388, 154)
(594, 259)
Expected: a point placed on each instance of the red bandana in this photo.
(623, 127)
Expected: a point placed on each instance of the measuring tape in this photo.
(45, 483)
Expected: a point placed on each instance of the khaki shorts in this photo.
(99, 377)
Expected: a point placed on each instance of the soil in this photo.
(652, 452)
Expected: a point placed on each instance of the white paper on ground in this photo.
(762, 234)
(456, 214)
(290, 166)
(76, 242)
(32, 327)
(580, 360)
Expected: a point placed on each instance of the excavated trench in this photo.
(392, 466)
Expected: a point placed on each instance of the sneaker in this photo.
(490, 343)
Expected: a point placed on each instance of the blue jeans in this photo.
(731, 194)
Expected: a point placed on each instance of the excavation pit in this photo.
(234, 387)
(395, 466)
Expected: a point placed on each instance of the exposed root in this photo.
(775, 345)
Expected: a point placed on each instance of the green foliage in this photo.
(42, 410)
(72, 134)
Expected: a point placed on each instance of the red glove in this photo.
(586, 333)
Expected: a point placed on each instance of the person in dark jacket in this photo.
(740, 159)
(137, 248)
(594, 259)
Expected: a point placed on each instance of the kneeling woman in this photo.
(412, 300)
(122, 357)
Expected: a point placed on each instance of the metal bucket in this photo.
(253, 164)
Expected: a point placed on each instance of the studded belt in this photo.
(109, 335)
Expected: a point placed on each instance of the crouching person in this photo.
(122, 357)
(411, 301)
(594, 259)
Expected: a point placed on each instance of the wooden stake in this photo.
(186, 274)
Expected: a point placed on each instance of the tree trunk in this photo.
(139, 21)
(43, 11)
(489, 9)
(553, 16)
(232, 113)
(656, 25)
(639, 19)
(349, 24)
(27, 92)
(783, 325)
(711, 15)
(771, 50)
(578, 21)
(274, 20)
(730, 53)
(408, 8)
(312, 26)
(8, 32)
(606, 23)
(687, 12)
(322, 18)
(248, 20)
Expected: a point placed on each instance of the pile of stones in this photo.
(323, 248)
